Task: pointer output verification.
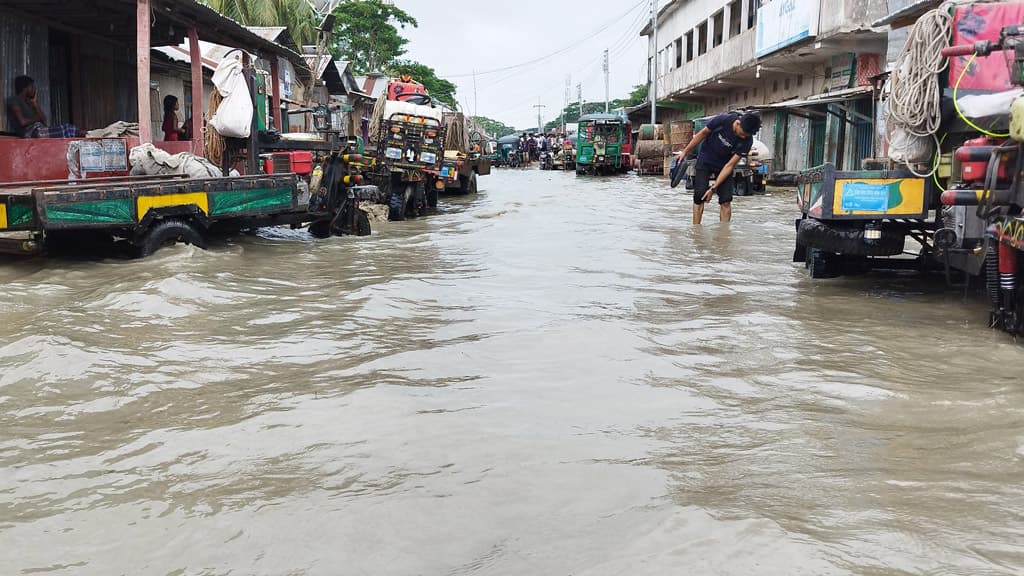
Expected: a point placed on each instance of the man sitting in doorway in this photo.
(727, 138)
(26, 118)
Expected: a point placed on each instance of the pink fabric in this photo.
(974, 22)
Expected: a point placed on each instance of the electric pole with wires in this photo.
(606, 81)
(540, 125)
(568, 87)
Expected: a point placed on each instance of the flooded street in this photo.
(557, 376)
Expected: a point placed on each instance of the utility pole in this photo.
(568, 85)
(653, 90)
(605, 80)
(579, 96)
(538, 106)
(475, 109)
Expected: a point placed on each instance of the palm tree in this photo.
(296, 15)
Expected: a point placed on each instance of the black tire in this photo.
(398, 203)
(417, 199)
(432, 197)
(362, 224)
(838, 240)
(320, 229)
(741, 187)
(758, 183)
(822, 265)
(168, 232)
(467, 184)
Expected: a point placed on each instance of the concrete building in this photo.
(807, 65)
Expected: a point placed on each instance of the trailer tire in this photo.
(166, 233)
(432, 197)
(822, 264)
(320, 229)
(757, 185)
(467, 184)
(398, 203)
(362, 224)
(815, 234)
(741, 186)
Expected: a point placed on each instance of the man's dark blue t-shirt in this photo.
(718, 148)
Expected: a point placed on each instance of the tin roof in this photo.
(599, 116)
(114, 21)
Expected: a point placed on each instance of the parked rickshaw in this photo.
(508, 151)
(599, 143)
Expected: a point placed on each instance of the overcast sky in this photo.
(456, 37)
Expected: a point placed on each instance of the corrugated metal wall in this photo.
(24, 50)
(865, 131)
(797, 143)
(767, 133)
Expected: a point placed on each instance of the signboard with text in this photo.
(783, 22)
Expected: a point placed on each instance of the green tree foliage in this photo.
(572, 111)
(296, 15)
(439, 88)
(366, 35)
(638, 96)
(494, 127)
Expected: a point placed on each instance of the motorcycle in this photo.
(547, 161)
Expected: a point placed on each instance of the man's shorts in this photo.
(702, 177)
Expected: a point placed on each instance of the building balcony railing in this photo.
(736, 52)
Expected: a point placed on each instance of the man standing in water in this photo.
(727, 138)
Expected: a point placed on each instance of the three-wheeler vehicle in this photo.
(599, 144)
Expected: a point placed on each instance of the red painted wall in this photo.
(24, 160)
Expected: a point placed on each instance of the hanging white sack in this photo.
(233, 118)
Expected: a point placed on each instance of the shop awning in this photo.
(818, 100)
(907, 15)
(804, 107)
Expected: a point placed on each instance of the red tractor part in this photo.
(405, 88)
(974, 157)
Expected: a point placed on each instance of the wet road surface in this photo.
(557, 376)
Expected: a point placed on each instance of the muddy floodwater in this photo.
(559, 376)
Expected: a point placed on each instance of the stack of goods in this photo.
(680, 134)
(652, 149)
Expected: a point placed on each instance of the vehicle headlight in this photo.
(428, 157)
(393, 153)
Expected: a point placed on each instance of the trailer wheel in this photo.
(846, 240)
(432, 197)
(742, 186)
(467, 184)
(398, 202)
(320, 229)
(362, 224)
(166, 233)
(758, 184)
(822, 264)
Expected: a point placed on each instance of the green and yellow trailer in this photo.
(143, 214)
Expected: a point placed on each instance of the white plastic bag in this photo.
(905, 146)
(148, 160)
(233, 118)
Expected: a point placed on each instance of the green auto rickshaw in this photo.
(599, 142)
(508, 151)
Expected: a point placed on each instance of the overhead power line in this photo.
(571, 46)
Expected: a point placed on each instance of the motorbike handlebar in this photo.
(962, 50)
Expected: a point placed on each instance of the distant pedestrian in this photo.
(727, 138)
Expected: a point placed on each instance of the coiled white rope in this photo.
(915, 96)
